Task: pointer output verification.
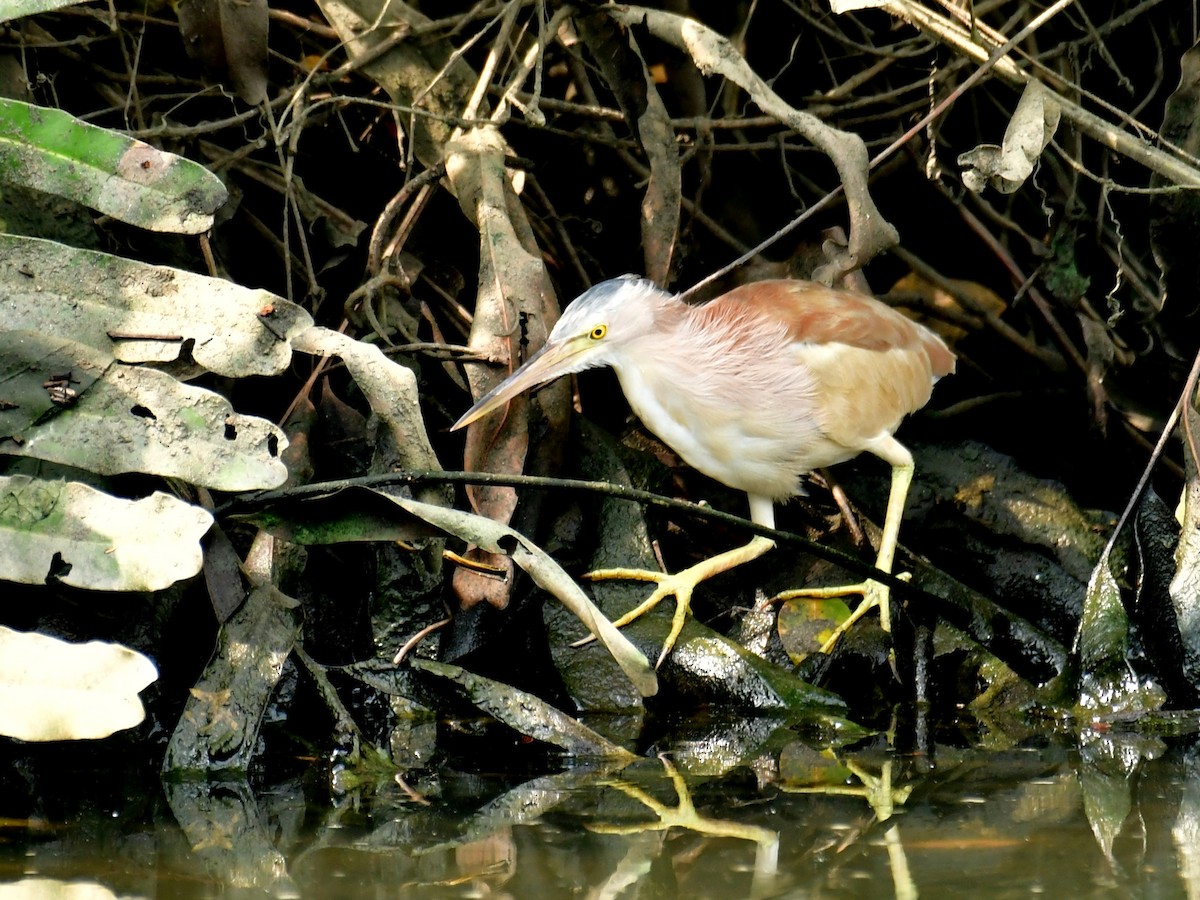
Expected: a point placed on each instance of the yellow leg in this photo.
(681, 584)
(874, 593)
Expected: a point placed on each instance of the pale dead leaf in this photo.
(51, 690)
(1029, 131)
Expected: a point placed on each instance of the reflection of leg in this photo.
(902, 880)
(684, 815)
(883, 798)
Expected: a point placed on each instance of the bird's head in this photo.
(594, 330)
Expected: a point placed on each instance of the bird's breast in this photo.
(754, 431)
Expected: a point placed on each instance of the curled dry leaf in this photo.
(51, 690)
(547, 574)
(1029, 131)
(870, 232)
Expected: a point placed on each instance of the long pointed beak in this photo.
(554, 359)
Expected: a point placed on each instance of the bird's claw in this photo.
(875, 594)
(680, 584)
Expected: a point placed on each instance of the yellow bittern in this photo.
(755, 389)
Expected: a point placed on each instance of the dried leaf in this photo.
(229, 38)
(51, 690)
(514, 312)
(89, 539)
(1006, 167)
(870, 232)
(497, 538)
(634, 85)
(390, 388)
(977, 299)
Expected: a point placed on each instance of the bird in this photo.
(755, 388)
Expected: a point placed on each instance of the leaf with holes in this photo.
(142, 313)
(83, 537)
(141, 420)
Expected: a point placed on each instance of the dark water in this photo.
(1106, 815)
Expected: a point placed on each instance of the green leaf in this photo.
(93, 540)
(353, 514)
(51, 690)
(806, 624)
(127, 179)
(1107, 682)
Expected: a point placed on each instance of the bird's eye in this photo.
(599, 332)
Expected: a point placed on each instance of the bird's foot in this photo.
(681, 585)
(875, 594)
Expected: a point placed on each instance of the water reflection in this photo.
(1109, 813)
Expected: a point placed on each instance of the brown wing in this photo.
(815, 314)
(871, 366)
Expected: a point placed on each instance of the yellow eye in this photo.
(599, 332)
